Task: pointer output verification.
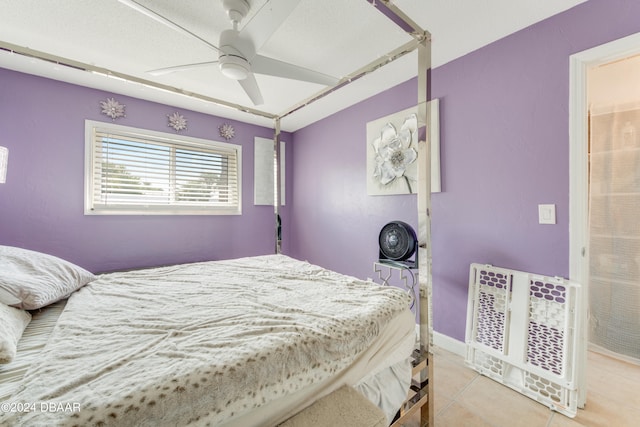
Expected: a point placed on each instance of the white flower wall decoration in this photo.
(392, 151)
(177, 122)
(226, 131)
(395, 151)
(112, 108)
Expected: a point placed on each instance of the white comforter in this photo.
(199, 343)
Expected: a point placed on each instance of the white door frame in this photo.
(579, 65)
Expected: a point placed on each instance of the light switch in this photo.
(546, 214)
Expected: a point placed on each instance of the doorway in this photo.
(614, 202)
(580, 65)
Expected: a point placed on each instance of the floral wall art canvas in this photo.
(392, 151)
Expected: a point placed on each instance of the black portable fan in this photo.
(398, 243)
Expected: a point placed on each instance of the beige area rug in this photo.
(344, 407)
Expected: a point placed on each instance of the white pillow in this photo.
(30, 280)
(12, 324)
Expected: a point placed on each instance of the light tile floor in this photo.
(465, 398)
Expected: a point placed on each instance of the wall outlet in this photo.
(546, 214)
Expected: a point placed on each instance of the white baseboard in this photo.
(449, 344)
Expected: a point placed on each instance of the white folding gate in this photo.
(522, 331)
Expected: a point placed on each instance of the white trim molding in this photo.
(449, 344)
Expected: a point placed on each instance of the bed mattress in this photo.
(287, 333)
(30, 346)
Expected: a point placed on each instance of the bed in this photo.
(249, 341)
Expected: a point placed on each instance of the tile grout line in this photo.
(454, 398)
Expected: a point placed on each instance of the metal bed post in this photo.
(276, 184)
(424, 231)
(422, 43)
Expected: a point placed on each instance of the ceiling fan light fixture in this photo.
(234, 67)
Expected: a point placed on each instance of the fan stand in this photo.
(406, 274)
(411, 264)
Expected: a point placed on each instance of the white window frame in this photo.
(92, 206)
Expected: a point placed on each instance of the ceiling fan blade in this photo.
(169, 70)
(250, 86)
(272, 67)
(165, 21)
(267, 20)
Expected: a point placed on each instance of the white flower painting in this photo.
(392, 152)
(395, 152)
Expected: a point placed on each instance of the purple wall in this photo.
(333, 221)
(41, 205)
(504, 147)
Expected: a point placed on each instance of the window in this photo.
(140, 172)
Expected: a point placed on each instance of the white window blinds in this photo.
(133, 171)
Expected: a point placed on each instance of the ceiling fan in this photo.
(237, 57)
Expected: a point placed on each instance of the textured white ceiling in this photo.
(334, 37)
